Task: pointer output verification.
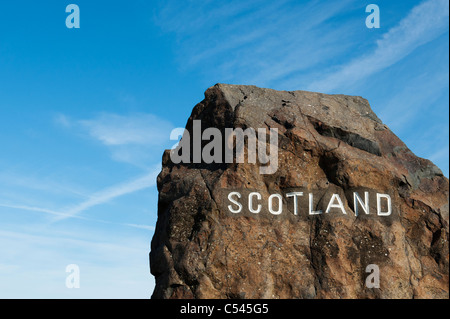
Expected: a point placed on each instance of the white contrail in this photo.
(112, 192)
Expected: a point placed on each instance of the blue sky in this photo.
(85, 114)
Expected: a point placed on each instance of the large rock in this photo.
(327, 144)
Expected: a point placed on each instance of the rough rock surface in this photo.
(327, 144)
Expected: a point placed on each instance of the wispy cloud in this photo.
(257, 42)
(34, 209)
(402, 108)
(424, 23)
(112, 192)
(440, 155)
(63, 120)
(137, 129)
(141, 226)
(12, 178)
(101, 255)
(61, 215)
(131, 138)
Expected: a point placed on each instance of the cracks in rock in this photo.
(407, 244)
(315, 265)
(302, 115)
(352, 139)
(323, 151)
(243, 93)
(209, 189)
(328, 163)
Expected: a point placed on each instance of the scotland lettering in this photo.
(228, 145)
(307, 203)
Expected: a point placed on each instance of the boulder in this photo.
(326, 145)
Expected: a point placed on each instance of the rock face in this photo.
(327, 144)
